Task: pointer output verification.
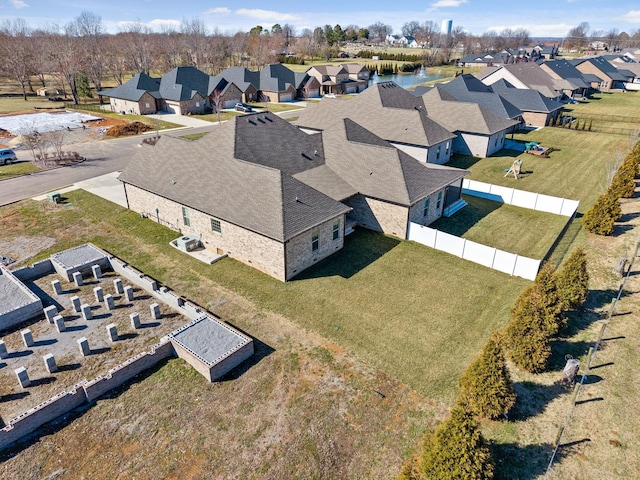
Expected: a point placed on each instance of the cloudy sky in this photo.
(539, 17)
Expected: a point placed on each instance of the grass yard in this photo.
(513, 229)
(213, 117)
(14, 104)
(276, 107)
(16, 169)
(385, 296)
(578, 171)
(94, 109)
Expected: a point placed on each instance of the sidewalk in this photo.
(185, 120)
(106, 186)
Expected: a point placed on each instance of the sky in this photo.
(542, 18)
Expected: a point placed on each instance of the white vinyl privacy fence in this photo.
(520, 198)
(491, 257)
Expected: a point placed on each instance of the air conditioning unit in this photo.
(187, 244)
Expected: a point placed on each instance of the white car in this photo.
(330, 95)
(7, 156)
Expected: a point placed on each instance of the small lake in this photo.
(406, 80)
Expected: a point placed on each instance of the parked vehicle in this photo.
(7, 156)
(243, 107)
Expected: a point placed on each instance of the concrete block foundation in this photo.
(86, 312)
(112, 332)
(83, 345)
(77, 279)
(57, 287)
(135, 320)
(98, 294)
(155, 311)
(117, 286)
(128, 293)
(27, 338)
(75, 303)
(50, 363)
(3, 349)
(59, 322)
(50, 312)
(96, 271)
(108, 301)
(23, 377)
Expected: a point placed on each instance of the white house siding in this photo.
(501, 74)
(472, 144)
(429, 155)
(298, 251)
(419, 153)
(254, 249)
(378, 215)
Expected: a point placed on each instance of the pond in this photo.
(407, 80)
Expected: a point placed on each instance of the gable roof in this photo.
(525, 100)
(467, 88)
(135, 88)
(242, 77)
(385, 109)
(182, 83)
(565, 69)
(602, 65)
(463, 116)
(534, 77)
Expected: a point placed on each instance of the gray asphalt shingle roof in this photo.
(134, 88)
(568, 71)
(525, 100)
(386, 109)
(263, 174)
(467, 88)
(182, 83)
(463, 116)
(604, 66)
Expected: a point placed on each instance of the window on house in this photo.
(185, 216)
(315, 243)
(446, 151)
(336, 230)
(197, 104)
(425, 210)
(215, 225)
(146, 105)
(438, 152)
(439, 202)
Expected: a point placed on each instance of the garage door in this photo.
(285, 97)
(171, 108)
(352, 89)
(231, 103)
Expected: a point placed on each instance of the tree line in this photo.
(81, 52)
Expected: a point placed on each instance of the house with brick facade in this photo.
(390, 112)
(527, 75)
(274, 197)
(139, 96)
(478, 132)
(610, 77)
(537, 110)
(347, 78)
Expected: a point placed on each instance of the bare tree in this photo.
(577, 37)
(137, 46)
(411, 28)
(379, 31)
(17, 52)
(56, 139)
(68, 55)
(89, 29)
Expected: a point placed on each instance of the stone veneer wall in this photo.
(263, 253)
(379, 216)
(416, 212)
(299, 254)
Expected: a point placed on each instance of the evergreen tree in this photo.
(82, 85)
(572, 280)
(527, 340)
(485, 386)
(601, 217)
(457, 450)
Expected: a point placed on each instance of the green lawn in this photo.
(13, 104)
(213, 117)
(94, 109)
(418, 314)
(275, 107)
(194, 136)
(15, 169)
(513, 229)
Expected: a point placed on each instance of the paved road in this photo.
(103, 156)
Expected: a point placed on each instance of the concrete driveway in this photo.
(185, 120)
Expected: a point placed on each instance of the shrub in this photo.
(457, 450)
(527, 341)
(572, 281)
(623, 184)
(601, 217)
(485, 386)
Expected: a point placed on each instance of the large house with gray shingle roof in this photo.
(392, 113)
(269, 195)
(537, 110)
(139, 96)
(525, 75)
(610, 77)
(478, 131)
(565, 70)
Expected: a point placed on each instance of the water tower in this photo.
(446, 27)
